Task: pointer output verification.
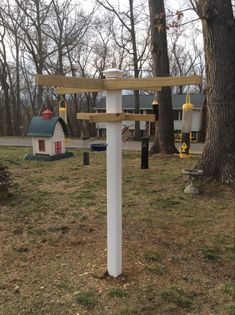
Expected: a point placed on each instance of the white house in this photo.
(48, 134)
(178, 100)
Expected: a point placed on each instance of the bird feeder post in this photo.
(114, 178)
(113, 117)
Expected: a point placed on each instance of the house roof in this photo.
(146, 101)
(40, 127)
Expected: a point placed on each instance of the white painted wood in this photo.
(58, 136)
(36, 146)
(114, 179)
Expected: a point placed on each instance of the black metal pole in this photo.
(145, 153)
(86, 158)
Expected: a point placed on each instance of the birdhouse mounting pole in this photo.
(113, 84)
(114, 178)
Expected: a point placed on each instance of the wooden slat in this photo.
(69, 82)
(89, 85)
(126, 133)
(101, 117)
(109, 117)
(140, 117)
(83, 116)
(63, 90)
(150, 83)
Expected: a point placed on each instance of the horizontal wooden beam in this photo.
(68, 85)
(153, 83)
(63, 90)
(101, 117)
(69, 82)
(109, 117)
(140, 117)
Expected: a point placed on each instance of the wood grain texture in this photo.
(70, 85)
(110, 117)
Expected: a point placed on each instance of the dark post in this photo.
(86, 158)
(155, 106)
(145, 153)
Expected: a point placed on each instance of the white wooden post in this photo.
(114, 179)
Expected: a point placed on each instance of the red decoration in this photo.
(47, 114)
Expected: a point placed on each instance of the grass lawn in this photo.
(178, 250)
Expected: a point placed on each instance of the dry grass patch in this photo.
(178, 250)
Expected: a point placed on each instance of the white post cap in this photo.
(113, 73)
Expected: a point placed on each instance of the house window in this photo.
(177, 114)
(41, 145)
(180, 114)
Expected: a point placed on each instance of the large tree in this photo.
(164, 137)
(218, 23)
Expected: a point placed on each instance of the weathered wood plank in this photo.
(109, 117)
(63, 90)
(101, 117)
(69, 82)
(140, 117)
(89, 85)
(83, 116)
(152, 83)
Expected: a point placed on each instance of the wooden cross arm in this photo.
(79, 85)
(110, 117)
(101, 117)
(150, 83)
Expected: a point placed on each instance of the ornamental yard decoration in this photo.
(113, 85)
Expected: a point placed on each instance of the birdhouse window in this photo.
(58, 147)
(41, 144)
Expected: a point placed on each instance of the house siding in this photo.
(146, 108)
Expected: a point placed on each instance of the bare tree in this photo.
(11, 19)
(186, 56)
(33, 36)
(129, 20)
(4, 82)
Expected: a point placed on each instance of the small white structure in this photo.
(48, 134)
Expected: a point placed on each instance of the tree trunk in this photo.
(5, 88)
(218, 158)
(164, 136)
(18, 122)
